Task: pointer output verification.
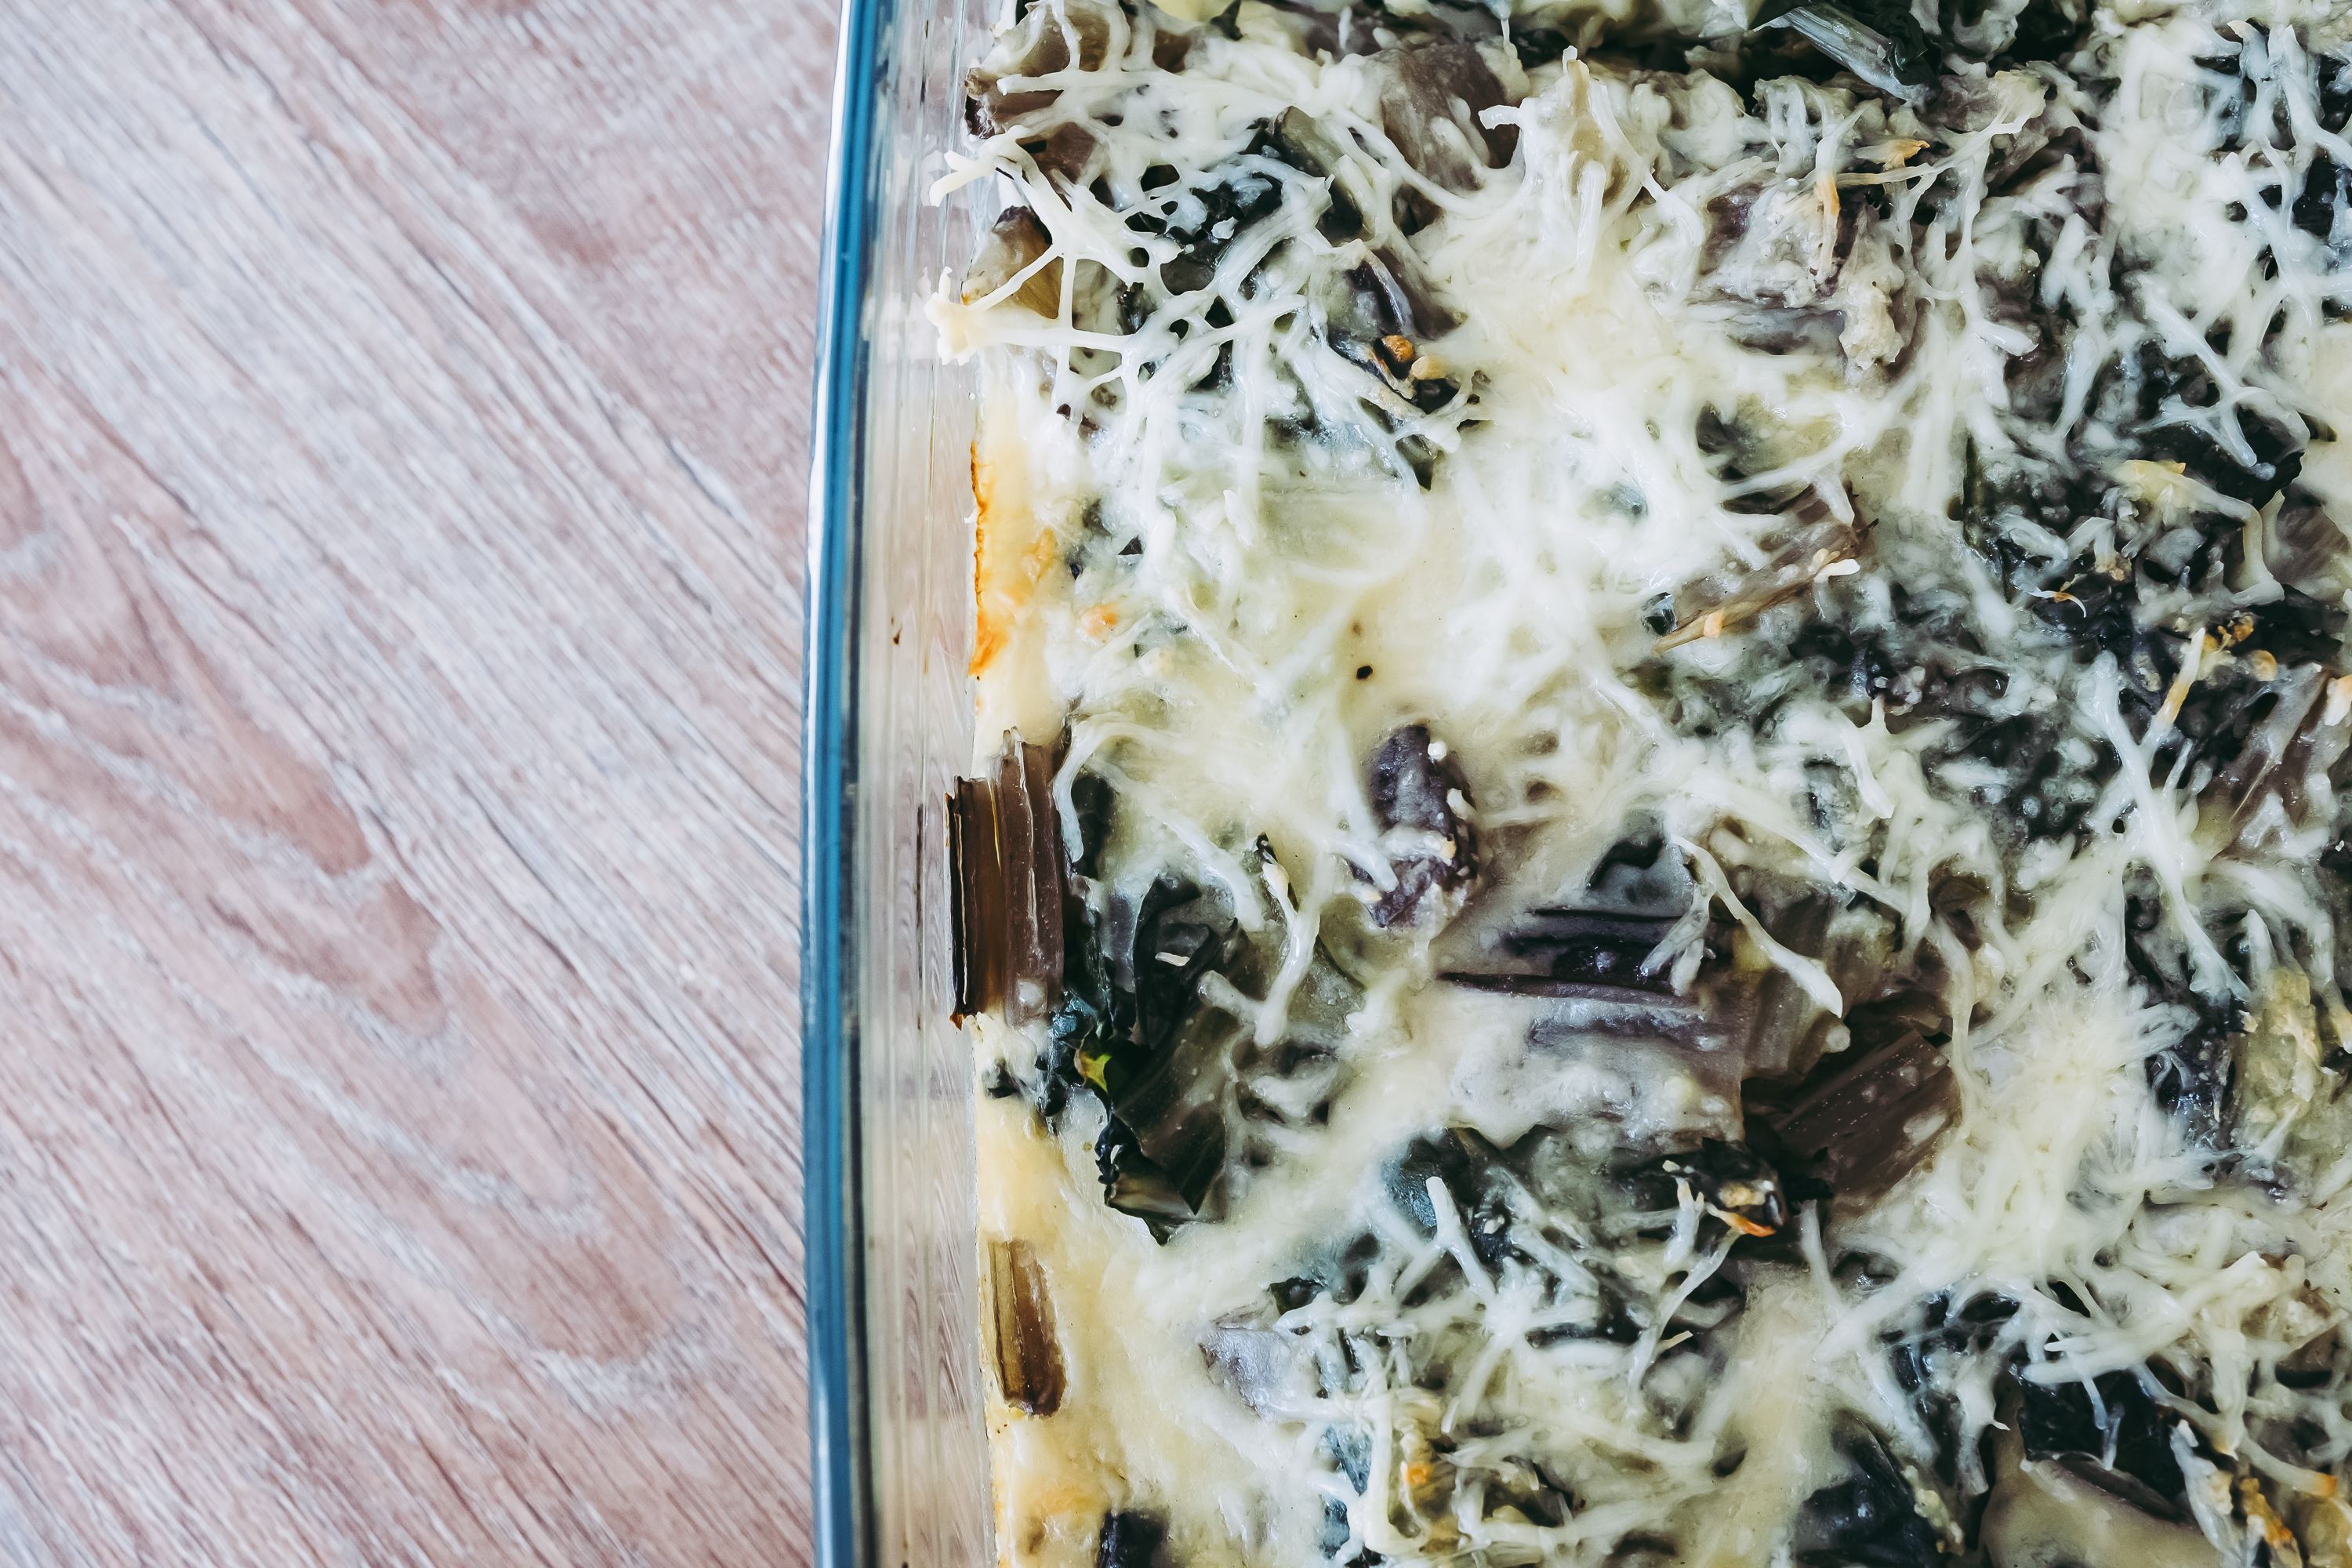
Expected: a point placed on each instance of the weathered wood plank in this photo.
(402, 419)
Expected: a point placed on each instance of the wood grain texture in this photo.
(403, 426)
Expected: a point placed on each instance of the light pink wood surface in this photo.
(402, 429)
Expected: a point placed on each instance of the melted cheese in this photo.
(1886, 308)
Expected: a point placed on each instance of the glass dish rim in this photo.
(842, 1527)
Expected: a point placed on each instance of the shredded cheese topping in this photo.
(1695, 715)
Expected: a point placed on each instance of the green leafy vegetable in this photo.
(1878, 40)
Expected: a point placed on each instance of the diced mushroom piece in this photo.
(2276, 448)
(1038, 45)
(1886, 1019)
(1021, 1323)
(1788, 1030)
(1208, 217)
(2317, 747)
(1814, 551)
(1785, 1012)
(1775, 244)
(1300, 140)
(1004, 849)
(1625, 1008)
(1383, 297)
(1034, 881)
(1422, 803)
(1431, 95)
(1381, 314)
(1014, 242)
(1874, 1121)
(2042, 1516)
(1069, 151)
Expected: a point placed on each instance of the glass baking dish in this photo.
(900, 1469)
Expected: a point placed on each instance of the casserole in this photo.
(1162, 1168)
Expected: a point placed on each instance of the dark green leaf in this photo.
(1878, 40)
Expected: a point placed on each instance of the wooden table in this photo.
(403, 423)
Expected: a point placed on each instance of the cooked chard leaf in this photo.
(1874, 1517)
(1991, 997)
(1180, 1077)
(1878, 40)
(1132, 1538)
(1134, 1184)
